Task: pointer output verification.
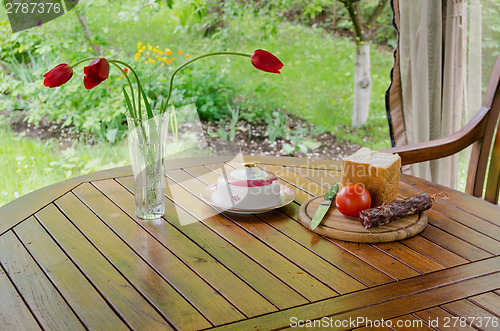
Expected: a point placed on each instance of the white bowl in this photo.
(248, 188)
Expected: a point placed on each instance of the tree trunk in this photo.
(362, 85)
(87, 33)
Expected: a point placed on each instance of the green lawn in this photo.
(28, 164)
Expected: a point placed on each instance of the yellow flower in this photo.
(168, 51)
(150, 47)
(139, 45)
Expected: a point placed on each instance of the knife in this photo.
(324, 206)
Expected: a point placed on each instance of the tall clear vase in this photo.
(146, 147)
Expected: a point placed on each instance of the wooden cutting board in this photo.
(337, 226)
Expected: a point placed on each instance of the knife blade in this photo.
(324, 206)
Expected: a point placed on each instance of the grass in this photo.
(317, 81)
(316, 84)
(35, 164)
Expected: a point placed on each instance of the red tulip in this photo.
(265, 61)
(59, 75)
(95, 73)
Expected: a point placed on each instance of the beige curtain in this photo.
(427, 98)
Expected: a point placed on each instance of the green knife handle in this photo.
(332, 192)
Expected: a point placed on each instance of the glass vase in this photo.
(146, 147)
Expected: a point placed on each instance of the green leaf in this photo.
(111, 135)
(301, 148)
(146, 102)
(288, 149)
(310, 143)
(162, 105)
(129, 104)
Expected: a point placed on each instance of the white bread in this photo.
(378, 172)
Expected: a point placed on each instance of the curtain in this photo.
(428, 98)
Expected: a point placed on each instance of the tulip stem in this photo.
(134, 114)
(188, 63)
(138, 85)
(81, 61)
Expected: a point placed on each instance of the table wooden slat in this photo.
(20, 209)
(311, 263)
(13, 310)
(371, 328)
(327, 249)
(463, 233)
(433, 251)
(410, 257)
(83, 298)
(391, 300)
(485, 243)
(306, 185)
(148, 265)
(301, 281)
(440, 319)
(213, 272)
(409, 322)
(484, 234)
(489, 301)
(457, 199)
(130, 304)
(470, 314)
(43, 300)
(452, 243)
(321, 177)
(369, 254)
(259, 278)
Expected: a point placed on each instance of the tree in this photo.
(362, 76)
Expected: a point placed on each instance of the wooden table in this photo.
(73, 256)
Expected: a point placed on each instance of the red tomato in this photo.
(352, 199)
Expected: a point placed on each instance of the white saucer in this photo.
(286, 196)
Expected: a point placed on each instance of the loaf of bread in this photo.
(378, 172)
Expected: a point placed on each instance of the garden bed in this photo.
(252, 138)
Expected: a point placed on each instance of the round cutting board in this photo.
(337, 226)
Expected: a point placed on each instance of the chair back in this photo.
(487, 147)
(492, 192)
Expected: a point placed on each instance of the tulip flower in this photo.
(95, 73)
(59, 75)
(98, 71)
(265, 61)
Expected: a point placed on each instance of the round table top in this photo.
(74, 256)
